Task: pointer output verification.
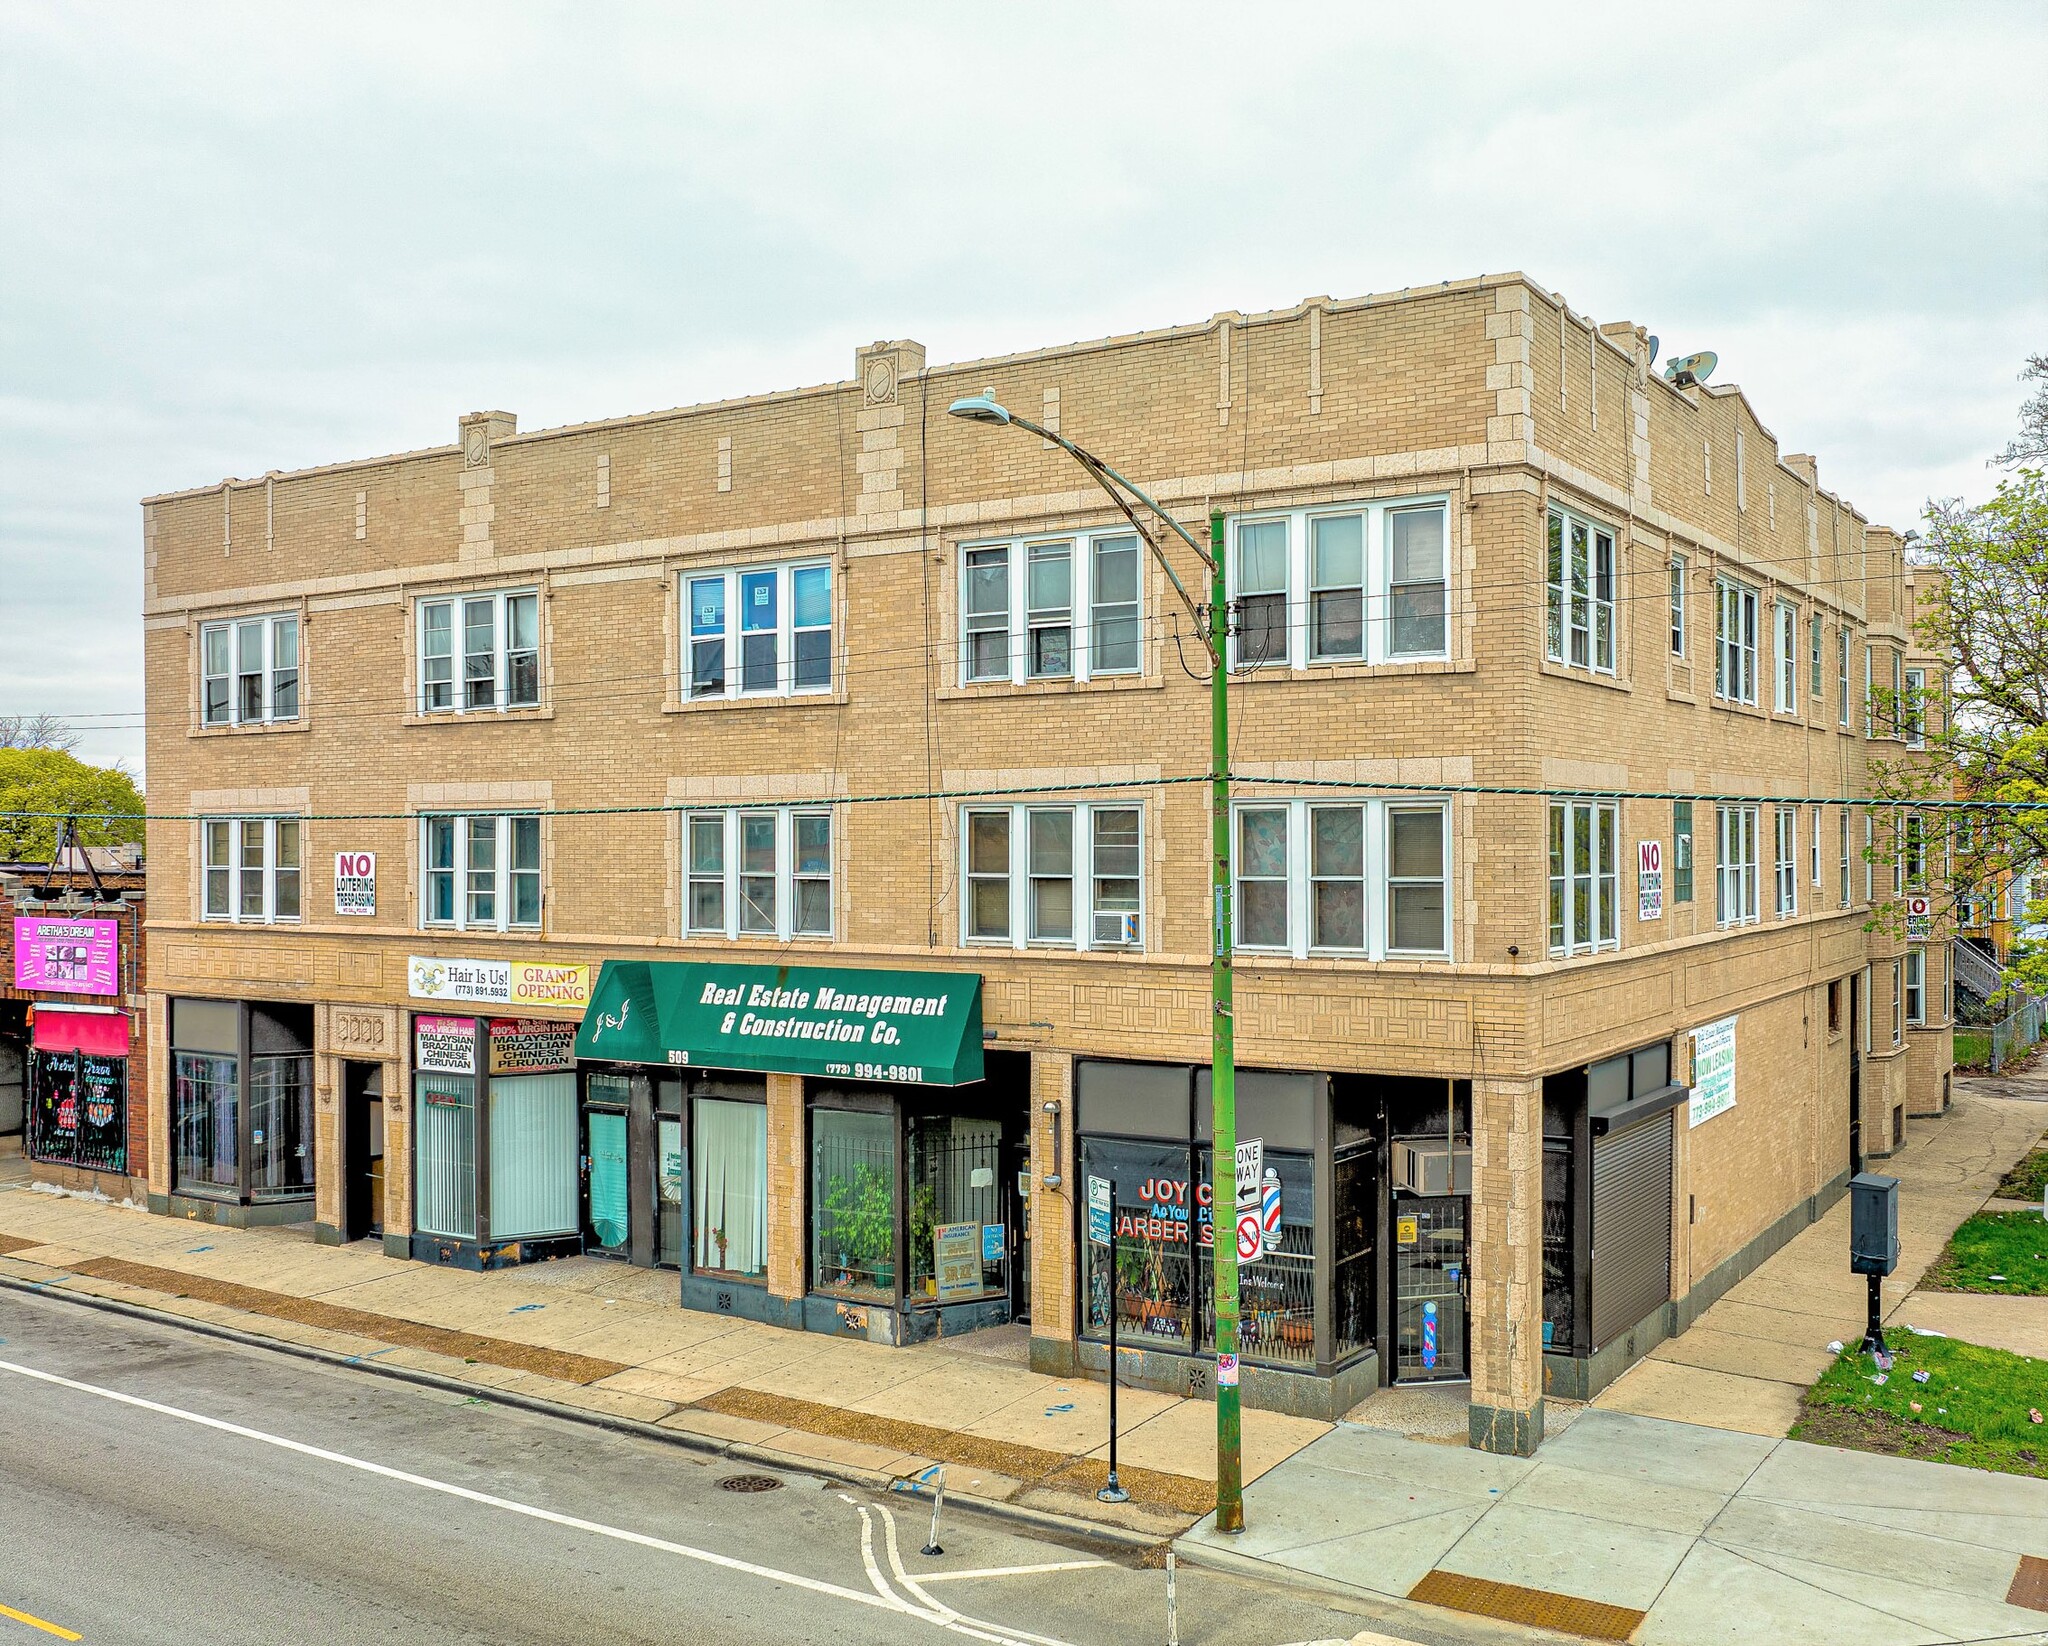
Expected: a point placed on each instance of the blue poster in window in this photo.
(994, 1237)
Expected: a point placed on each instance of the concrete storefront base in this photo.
(1265, 1388)
(231, 1214)
(1581, 1377)
(491, 1254)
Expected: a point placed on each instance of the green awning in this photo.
(919, 1028)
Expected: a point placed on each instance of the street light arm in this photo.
(1103, 475)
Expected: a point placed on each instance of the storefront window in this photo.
(280, 1129)
(533, 1149)
(1276, 1295)
(668, 1191)
(1357, 1217)
(78, 1109)
(853, 1203)
(1160, 1227)
(1558, 1278)
(729, 1188)
(206, 1106)
(959, 1241)
(446, 1155)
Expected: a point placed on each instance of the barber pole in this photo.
(1270, 1206)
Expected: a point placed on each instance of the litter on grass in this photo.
(1921, 1377)
(1835, 1348)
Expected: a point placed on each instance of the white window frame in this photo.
(1912, 852)
(1679, 570)
(1916, 987)
(1913, 709)
(1736, 829)
(1378, 592)
(1735, 609)
(1869, 858)
(1084, 552)
(1376, 876)
(501, 872)
(1816, 633)
(1786, 624)
(786, 873)
(732, 633)
(1848, 854)
(1568, 821)
(502, 651)
(1813, 850)
(269, 628)
(1081, 873)
(236, 867)
(1898, 1002)
(1785, 861)
(1845, 645)
(1565, 600)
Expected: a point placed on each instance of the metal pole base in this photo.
(1113, 1492)
(1873, 1331)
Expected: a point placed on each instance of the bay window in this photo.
(1055, 608)
(251, 868)
(1584, 885)
(479, 651)
(758, 872)
(1735, 866)
(482, 873)
(1735, 619)
(1367, 583)
(1579, 605)
(758, 631)
(1069, 876)
(1367, 878)
(249, 671)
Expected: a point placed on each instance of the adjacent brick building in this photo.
(1549, 676)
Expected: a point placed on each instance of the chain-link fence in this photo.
(2017, 1033)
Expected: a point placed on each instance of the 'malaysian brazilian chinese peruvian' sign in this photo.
(921, 1028)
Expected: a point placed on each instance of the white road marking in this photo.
(958, 1621)
(1012, 1571)
(884, 1600)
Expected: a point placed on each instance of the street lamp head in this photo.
(980, 408)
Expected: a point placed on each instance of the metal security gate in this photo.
(1631, 1225)
(1429, 1288)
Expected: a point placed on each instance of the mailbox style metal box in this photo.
(1873, 1224)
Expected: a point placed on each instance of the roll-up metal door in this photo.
(1631, 1225)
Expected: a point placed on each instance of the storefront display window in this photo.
(206, 1104)
(853, 1203)
(445, 1162)
(1161, 1235)
(1354, 1272)
(959, 1242)
(533, 1138)
(78, 1099)
(280, 1129)
(1276, 1295)
(242, 1100)
(1559, 1278)
(729, 1188)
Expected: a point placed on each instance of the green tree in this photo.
(42, 781)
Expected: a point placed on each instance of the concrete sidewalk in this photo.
(1632, 1528)
(596, 1336)
(1747, 1360)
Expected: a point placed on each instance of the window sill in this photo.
(756, 940)
(1585, 677)
(1050, 688)
(1749, 711)
(481, 934)
(477, 717)
(287, 922)
(756, 700)
(1393, 668)
(251, 728)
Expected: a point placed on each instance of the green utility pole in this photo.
(1223, 1059)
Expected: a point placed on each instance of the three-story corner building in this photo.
(766, 839)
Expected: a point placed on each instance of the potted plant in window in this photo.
(863, 1218)
(924, 1223)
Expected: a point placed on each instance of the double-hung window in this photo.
(1735, 619)
(1678, 571)
(1579, 602)
(1916, 986)
(1056, 876)
(1358, 877)
(1842, 817)
(758, 631)
(1913, 709)
(1367, 583)
(1735, 866)
(1898, 1003)
(1869, 858)
(1054, 608)
(1842, 674)
(1785, 860)
(1681, 851)
(249, 671)
(758, 872)
(480, 651)
(1787, 636)
(1913, 853)
(252, 867)
(1813, 636)
(1813, 851)
(482, 872)
(1584, 886)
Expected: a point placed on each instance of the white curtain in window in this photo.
(533, 1156)
(729, 1187)
(446, 1155)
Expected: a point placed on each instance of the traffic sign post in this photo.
(1101, 1201)
(1251, 1227)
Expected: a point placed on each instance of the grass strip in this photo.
(1974, 1410)
(2028, 1178)
(2004, 1253)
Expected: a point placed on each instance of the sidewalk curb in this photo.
(1044, 1520)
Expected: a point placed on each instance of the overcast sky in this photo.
(241, 238)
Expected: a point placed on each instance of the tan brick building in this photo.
(1548, 675)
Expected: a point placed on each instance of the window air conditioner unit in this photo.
(1432, 1166)
(1115, 931)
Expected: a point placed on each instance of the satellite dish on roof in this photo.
(1689, 369)
(1653, 348)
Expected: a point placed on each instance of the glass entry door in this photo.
(668, 1191)
(607, 1227)
(1429, 1289)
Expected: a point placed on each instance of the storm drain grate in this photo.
(749, 1483)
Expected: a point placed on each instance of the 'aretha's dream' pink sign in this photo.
(67, 956)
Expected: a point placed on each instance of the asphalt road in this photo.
(158, 1486)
